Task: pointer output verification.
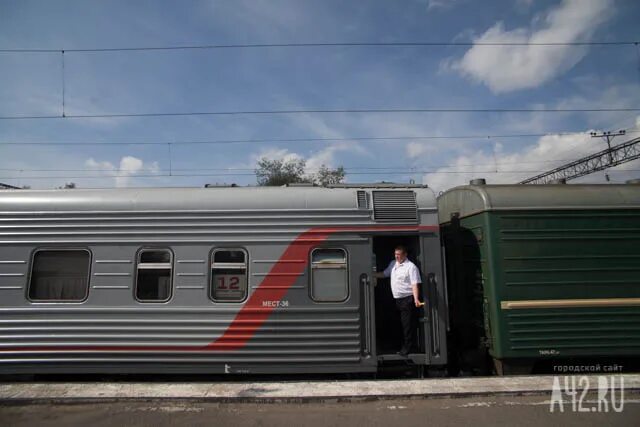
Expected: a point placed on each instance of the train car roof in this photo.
(198, 199)
(468, 200)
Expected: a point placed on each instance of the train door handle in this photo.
(364, 279)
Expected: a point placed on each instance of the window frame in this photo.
(210, 275)
(346, 268)
(59, 301)
(136, 268)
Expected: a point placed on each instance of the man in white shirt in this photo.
(405, 278)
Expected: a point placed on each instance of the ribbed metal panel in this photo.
(395, 206)
(570, 331)
(568, 255)
(310, 335)
(179, 226)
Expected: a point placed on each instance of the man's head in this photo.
(400, 253)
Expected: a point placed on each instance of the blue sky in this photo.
(311, 78)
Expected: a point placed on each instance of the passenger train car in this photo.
(281, 280)
(216, 280)
(542, 272)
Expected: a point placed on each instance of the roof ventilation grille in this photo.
(395, 206)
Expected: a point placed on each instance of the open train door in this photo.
(424, 251)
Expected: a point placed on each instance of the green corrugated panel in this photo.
(565, 255)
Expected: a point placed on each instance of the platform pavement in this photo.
(289, 391)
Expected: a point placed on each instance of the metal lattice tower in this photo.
(604, 159)
(8, 187)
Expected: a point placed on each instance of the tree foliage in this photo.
(327, 176)
(280, 172)
(292, 171)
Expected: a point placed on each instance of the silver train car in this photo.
(213, 280)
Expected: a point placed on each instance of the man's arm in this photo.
(414, 276)
(385, 273)
(416, 295)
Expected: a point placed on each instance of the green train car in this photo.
(541, 272)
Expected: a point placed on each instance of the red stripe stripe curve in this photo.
(300, 248)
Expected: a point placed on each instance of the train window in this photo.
(329, 281)
(229, 275)
(60, 275)
(153, 275)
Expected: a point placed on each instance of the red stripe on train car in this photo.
(298, 249)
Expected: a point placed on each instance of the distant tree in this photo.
(26, 187)
(326, 176)
(68, 185)
(280, 172)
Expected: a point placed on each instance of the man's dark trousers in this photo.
(408, 317)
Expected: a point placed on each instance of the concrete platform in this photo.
(293, 391)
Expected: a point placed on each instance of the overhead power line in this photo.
(302, 45)
(381, 169)
(398, 168)
(288, 140)
(327, 111)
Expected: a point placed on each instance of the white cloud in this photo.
(549, 152)
(327, 155)
(104, 166)
(509, 68)
(274, 154)
(130, 163)
(127, 169)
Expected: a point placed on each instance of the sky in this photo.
(466, 76)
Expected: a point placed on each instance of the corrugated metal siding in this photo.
(169, 226)
(302, 335)
(569, 255)
(571, 331)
